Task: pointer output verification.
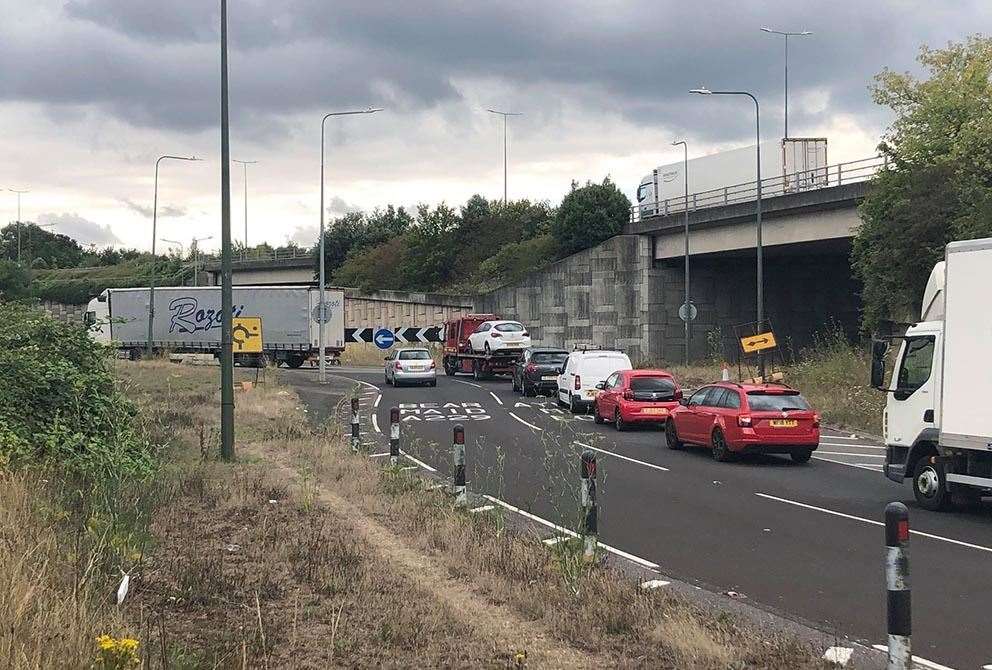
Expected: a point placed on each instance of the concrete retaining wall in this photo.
(400, 308)
(63, 312)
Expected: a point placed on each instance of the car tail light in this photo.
(744, 421)
(399, 366)
(578, 382)
(433, 365)
(816, 421)
(494, 334)
(628, 395)
(530, 368)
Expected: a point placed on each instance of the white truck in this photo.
(188, 320)
(800, 162)
(937, 422)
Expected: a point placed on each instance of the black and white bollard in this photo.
(458, 458)
(590, 524)
(394, 436)
(897, 583)
(354, 424)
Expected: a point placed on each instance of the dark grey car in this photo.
(537, 371)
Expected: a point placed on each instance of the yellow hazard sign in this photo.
(759, 342)
(247, 335)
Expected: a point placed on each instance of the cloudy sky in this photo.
(93, 91)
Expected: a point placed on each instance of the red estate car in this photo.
(735, 418)
(636, 396)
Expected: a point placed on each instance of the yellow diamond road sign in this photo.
(247, 335)
(759, 342)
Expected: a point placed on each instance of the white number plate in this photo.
(549, 379)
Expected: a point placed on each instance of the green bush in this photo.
(58, 400)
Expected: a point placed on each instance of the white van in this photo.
(582, 371)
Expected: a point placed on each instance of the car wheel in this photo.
(672, 435)
(434, 383)
(487, 349)
(930, 486)
(595, 414)
(618, 422)
(802, 455)
(721, 452)
(560, 402)
(528, 391)
(387, 379)
(573, 406)
(516, 386)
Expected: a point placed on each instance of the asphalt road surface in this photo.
(805, 541)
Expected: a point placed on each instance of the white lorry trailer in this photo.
(188, 320)
(937, 423)
(799, 162)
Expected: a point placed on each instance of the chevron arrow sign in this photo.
(404, 334)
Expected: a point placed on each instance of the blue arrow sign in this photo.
(384, 338)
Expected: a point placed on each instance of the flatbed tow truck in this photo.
(458, 356)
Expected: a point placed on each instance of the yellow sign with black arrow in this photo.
(246, 335)
(760, 342)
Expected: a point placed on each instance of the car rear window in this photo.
(776, 402)
(549, 358)
(414, 355)
(652, 384)
(509, 327)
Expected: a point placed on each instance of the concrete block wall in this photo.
(65, 313)
(392, 309)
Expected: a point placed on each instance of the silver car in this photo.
(411, 366)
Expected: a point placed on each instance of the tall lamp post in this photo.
(227, 283)
(685, 175)
(245, 164)
(18, 192)
(504, 115)
(760, 267)
(787, 34)
(151, 282)
(321, 375)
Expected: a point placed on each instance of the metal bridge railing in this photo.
(796, 182)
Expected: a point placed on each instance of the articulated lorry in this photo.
(938, 421)
(188, 320)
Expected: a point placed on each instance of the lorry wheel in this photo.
(261, 361)
(476, 371)
(294, 361)
(450, 365)
(930, 486)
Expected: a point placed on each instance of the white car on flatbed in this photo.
(492, 336)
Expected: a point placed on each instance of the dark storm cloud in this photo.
(155, 64)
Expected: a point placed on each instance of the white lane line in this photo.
(377, 399)
(654, 584)
(375, 423)
(838, 655)
(848, 445)
(409, 467)
(877, 468)
(847, 453)
(529, 425)
(626, 458)
(916, 659)
(459, 381)
(420, 463)
(840, 437)
(852, 465)
(379, 455)
(941, 538)
(496, 397)
(484, 508)
(561, 529)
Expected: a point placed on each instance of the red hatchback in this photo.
(636, 396)
(735, 418)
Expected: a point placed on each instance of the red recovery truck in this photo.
(458, 354)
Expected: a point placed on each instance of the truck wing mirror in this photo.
(879, 348)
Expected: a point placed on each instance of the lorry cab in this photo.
(97, 318)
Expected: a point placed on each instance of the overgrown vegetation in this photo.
(936, 187)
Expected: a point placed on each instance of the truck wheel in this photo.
(930, 485)
(476, 371)
(294, 361)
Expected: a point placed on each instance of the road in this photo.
(804, 541)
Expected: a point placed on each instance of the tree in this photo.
(589, 215)
(938, 183)
(58, 251)
(14, 281)
(375, 268)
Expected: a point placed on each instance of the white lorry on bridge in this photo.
(937, 423)
(188, 320)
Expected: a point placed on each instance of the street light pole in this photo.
(685, 175)
(151, 282)
(504, 115)
(787, 34)
(245, 164)
(226, 291)
(760, 250)
(12, 190)
(321, 309)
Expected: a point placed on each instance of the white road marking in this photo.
(847, 453)
(409, 467)
(852, 465)
(529, 425)
(626, 458)
(654, 584)
(838, 655)
(496, 397)
(916, 659)
(377, 399)
(459, 381)
(484, 508)
(848, 445)
(561, 529)
(552, 541)
(871, 466)
(874, 523)
(375, 423)
(420, 463)
(386, 453)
